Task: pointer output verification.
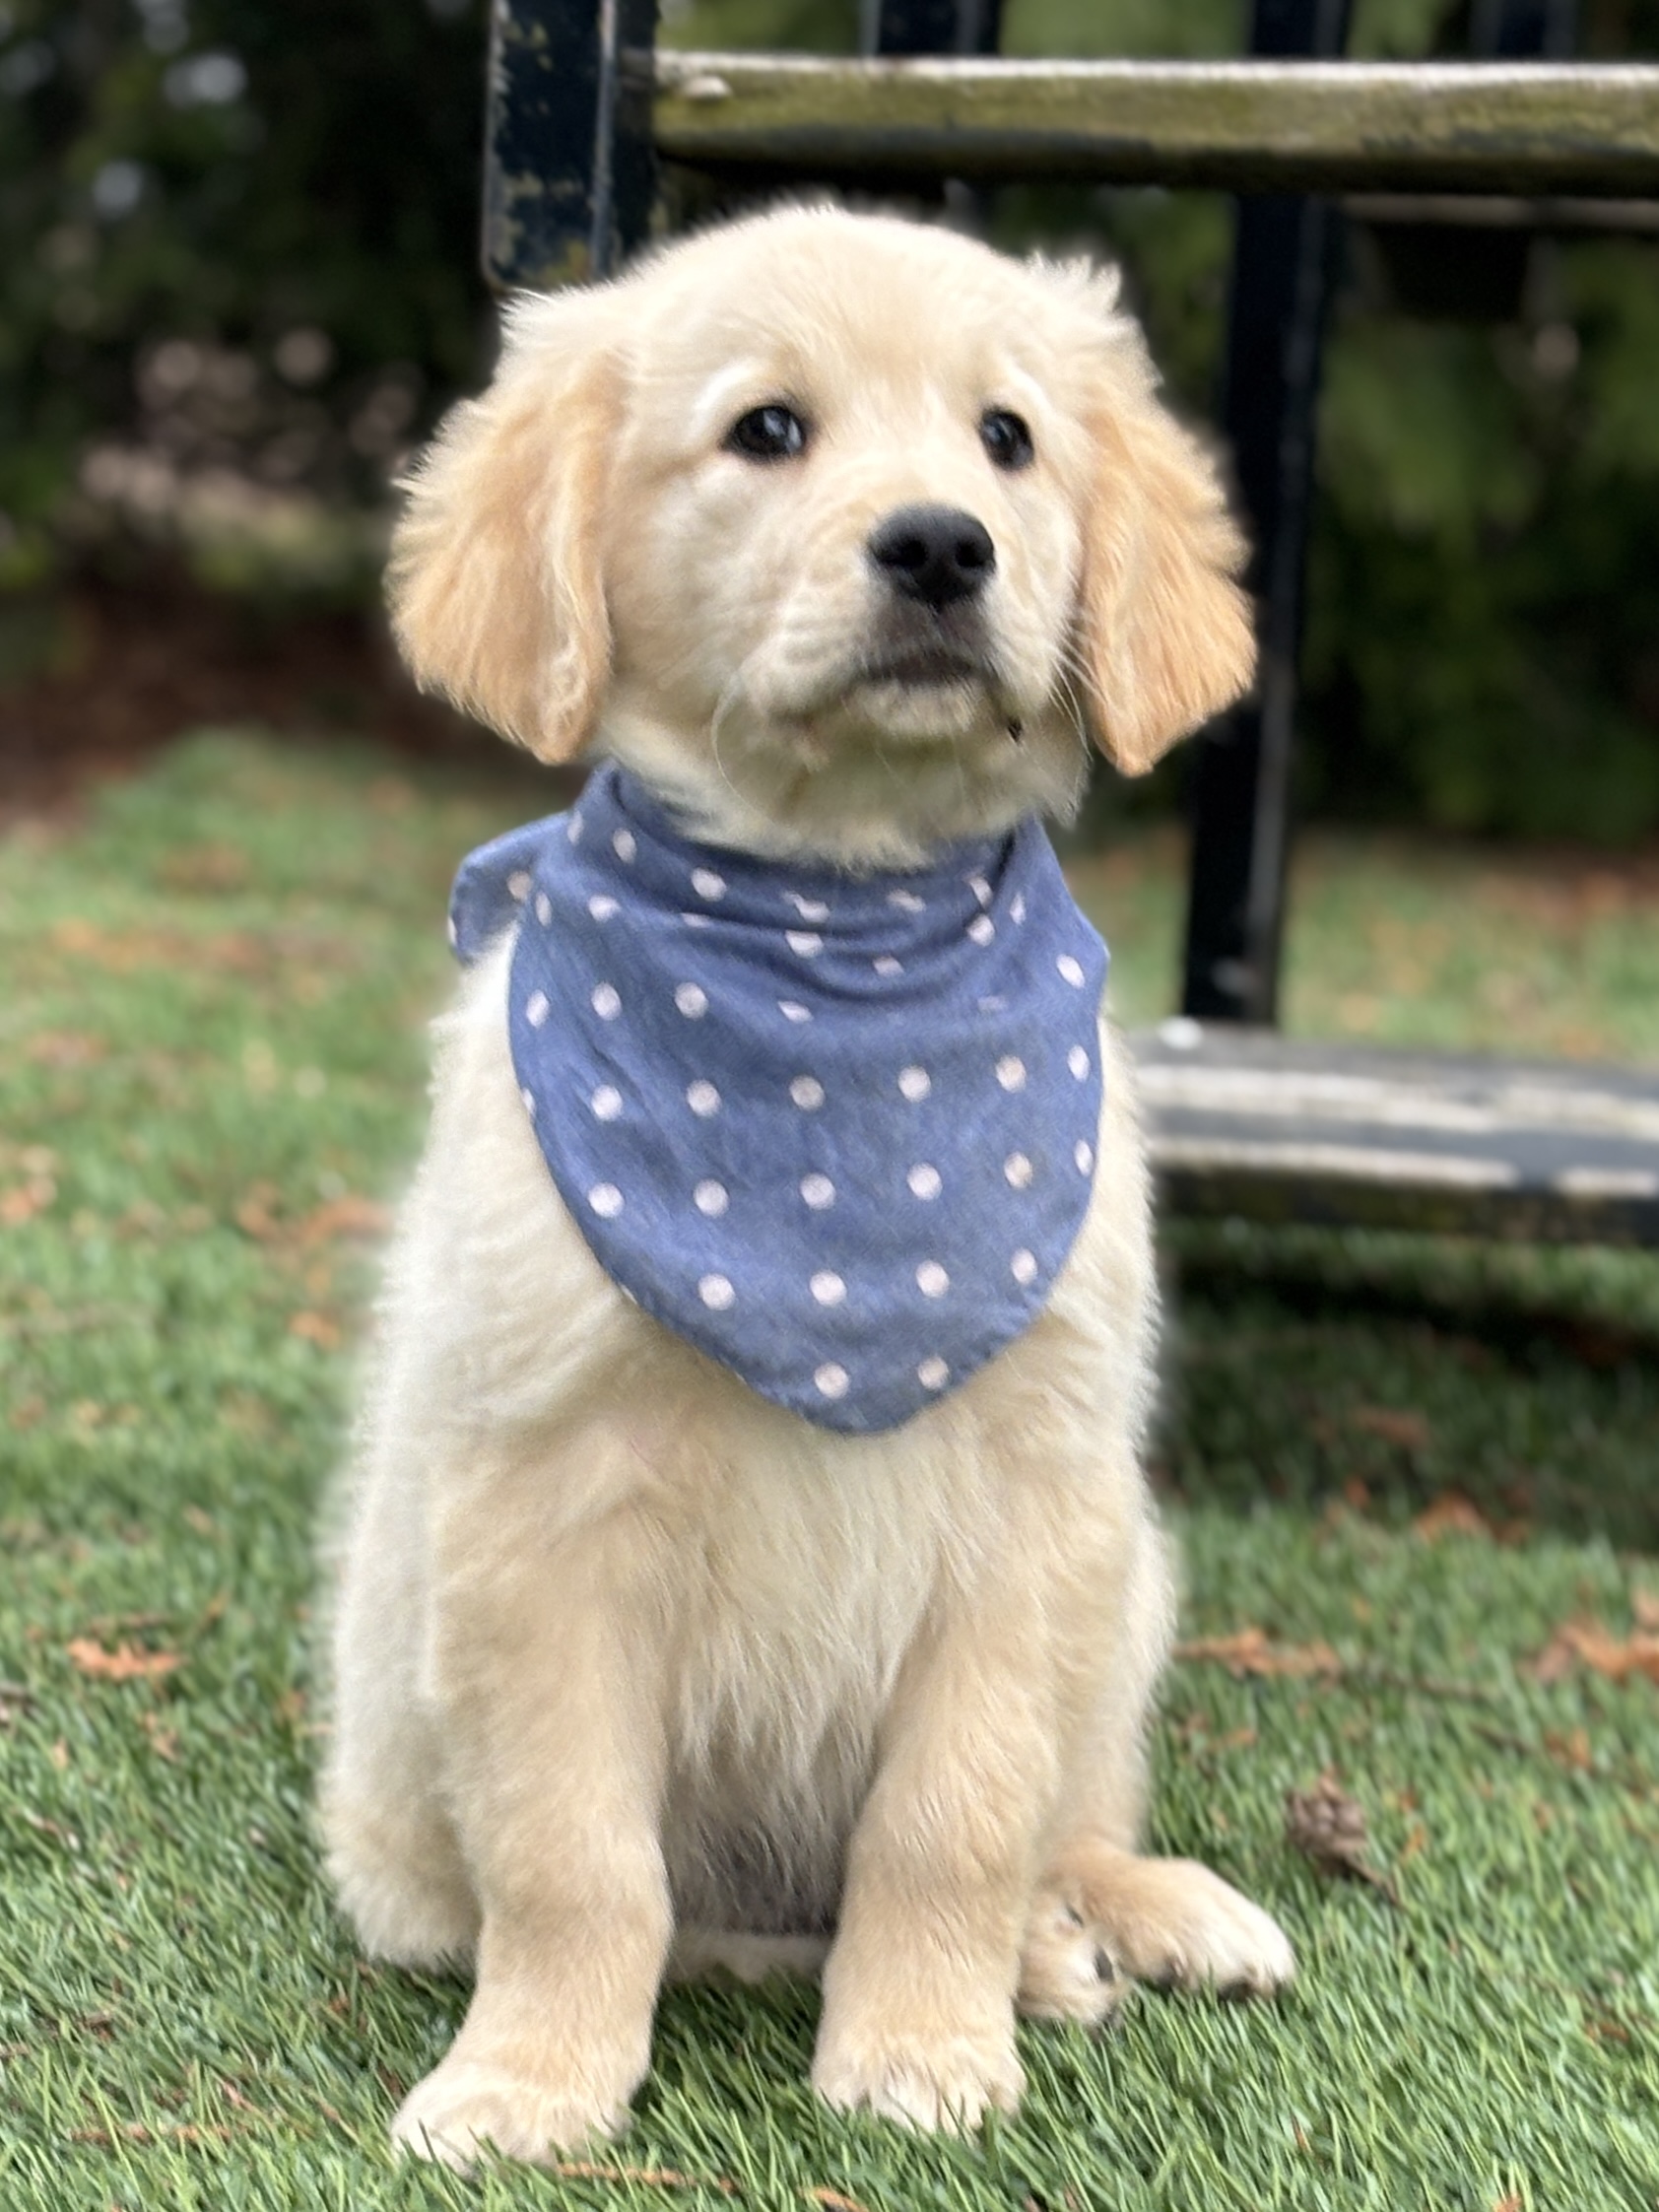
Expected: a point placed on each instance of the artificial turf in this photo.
(1408, 1466)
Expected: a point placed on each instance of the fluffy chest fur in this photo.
(786, 1570)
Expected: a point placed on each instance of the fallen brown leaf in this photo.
(1409, 1430)
(25, 1200)
(1570, 1750)
(135, 2131)
(254, 1214)
(1248, 1652)
(163, 1741)
(64, 1048)
(123, 1665)
(315, 1328)
(1589, 1644)
(1450, 1515)
(644, 2176)
(1328, 1827)
(350, 1216)
(835, 2201)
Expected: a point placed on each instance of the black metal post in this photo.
(929, 27)
(568, 170)
(1242, 778)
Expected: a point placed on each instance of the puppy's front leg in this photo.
(549, 1677)
(918, 1990)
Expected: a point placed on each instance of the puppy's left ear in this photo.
(1166, 636)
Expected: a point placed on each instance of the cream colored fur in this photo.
(634, 1672)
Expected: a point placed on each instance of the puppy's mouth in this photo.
(920, 667)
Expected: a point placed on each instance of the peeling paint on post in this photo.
(570, 170)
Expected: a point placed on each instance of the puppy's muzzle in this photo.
(936, 554)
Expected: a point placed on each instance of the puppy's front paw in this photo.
(938, 2082)
(466, 2106)
(1067, 1970)
(1171, 1920)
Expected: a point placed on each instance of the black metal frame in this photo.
(1241, 774)
(569, 175)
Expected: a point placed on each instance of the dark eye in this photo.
(767, 434)
(1007, 437)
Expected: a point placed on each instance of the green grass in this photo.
(212, 1070)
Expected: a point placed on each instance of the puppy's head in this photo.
(838, 528)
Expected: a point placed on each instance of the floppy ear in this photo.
(495, 580)
(1165, 635)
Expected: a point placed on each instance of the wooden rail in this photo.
(1248, 1123)
(1585, 129)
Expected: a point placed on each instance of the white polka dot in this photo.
(711, 1198)
(807, 1093)
(1018, 1171)
(451, 931)
(995, 1004)
(536, 1009)
(933, 1374)
(885, 965)
(1077, 1060)
(1071, 971)
(914, 1084)
(1085, 1157)
(828, 1287)
(601, 905)
(606, 1001)
(932, 1280)
(806, 942)
(793, 1011)
(529, 1098)
(607, 1103)
(906, 901)
(716, 1291)
(696, 921)
(1011, 1072)
(606, 1200)
(707, 885)
(702, 1098)
(1018, 909)
(1022, 1266)
(980, 889)
(623, 845)
(831, 1380)
(544, 909)
(573, 830)
(809, 910)
(692, 1000)
(981, 929)
(924, 1180)
(818, 1191)
(518, 884)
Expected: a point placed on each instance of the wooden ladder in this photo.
(592, 132)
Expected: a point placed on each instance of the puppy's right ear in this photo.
(495, 580)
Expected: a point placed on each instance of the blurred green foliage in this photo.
(238, 281)
(236, 239)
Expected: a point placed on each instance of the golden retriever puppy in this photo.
(658, 1643)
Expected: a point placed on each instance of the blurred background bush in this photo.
(237, 283)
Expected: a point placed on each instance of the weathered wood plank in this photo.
(1585, 129)
(1248, 1123)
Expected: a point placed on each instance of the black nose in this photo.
(934, 554)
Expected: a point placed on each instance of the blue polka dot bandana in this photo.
(836, 1131)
